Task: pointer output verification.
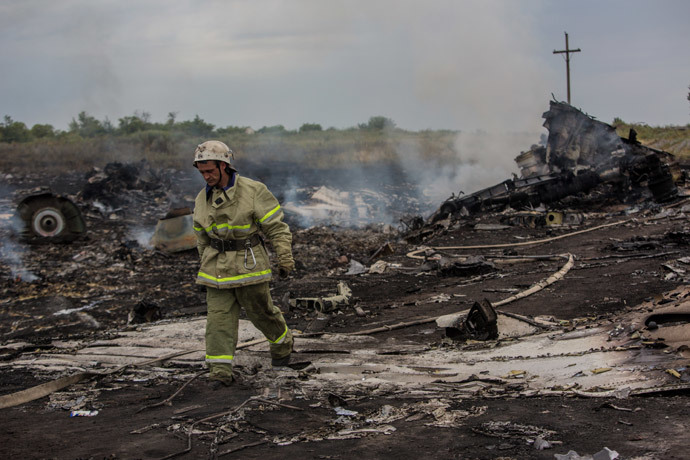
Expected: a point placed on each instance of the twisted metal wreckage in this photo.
(581, 154)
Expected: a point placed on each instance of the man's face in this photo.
(212, 175)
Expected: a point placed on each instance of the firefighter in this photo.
(230, 214)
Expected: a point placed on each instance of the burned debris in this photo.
(175, 231)
(50, 218)
(480, 324)
(581, 153)
(325, 304)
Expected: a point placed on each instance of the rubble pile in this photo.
(581, 155)
(128, 190)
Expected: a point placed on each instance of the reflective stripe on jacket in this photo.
(237, 213)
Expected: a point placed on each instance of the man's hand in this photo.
(283, 272)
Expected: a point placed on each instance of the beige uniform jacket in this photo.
(236, 214)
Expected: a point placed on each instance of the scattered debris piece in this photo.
(385, 250)
(600, 370)
(345, 412)
(604, 454)
(466, 266)
(325, 304)
(673, 372)
(480, 324)
(175, 232)
(356, 268)
(542, 444)
(511, 430)
(83, 413)
(379, 267)
(145, 311)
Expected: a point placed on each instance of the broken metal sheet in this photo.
(565, 361)
(553, 362)
(669, 324)
(547, 364)
(531, 162)
(175, 232)
(130, 347)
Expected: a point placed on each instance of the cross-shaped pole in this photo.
(567, 52)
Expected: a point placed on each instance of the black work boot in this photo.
(280, 362)
(216, 383)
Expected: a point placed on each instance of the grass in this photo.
(672, 139)
(319, 149)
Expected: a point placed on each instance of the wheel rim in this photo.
(48, 222)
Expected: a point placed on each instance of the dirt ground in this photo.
(86, 290)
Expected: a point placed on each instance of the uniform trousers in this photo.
(222, 322)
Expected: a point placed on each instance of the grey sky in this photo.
(426, 64)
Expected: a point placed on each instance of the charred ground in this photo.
(93, 288)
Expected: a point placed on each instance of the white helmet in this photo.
(213, 151)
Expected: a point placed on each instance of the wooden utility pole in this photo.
(567, 52)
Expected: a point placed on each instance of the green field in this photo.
(672, 139)
(89, 142)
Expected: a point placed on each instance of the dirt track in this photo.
(617, 268)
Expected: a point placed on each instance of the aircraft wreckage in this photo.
(49, 217)
(580, 154)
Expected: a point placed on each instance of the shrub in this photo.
(196, 127)
(14, 131)
(39, 131)
(233, 130)
(378, 123)
(87, 126)
(310, 127)
(276, 129)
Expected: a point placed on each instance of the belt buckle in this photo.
(218, 245)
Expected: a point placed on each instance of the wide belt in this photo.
(235, 245)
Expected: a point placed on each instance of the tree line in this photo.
(86, 126)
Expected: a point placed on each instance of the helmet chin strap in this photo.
(220, 175)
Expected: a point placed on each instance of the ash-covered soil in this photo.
(93, 288)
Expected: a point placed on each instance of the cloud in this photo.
(437, 64)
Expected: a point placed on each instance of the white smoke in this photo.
(12, 254)
(142, 235)
(478, 160)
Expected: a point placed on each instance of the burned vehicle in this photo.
(580, 154)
